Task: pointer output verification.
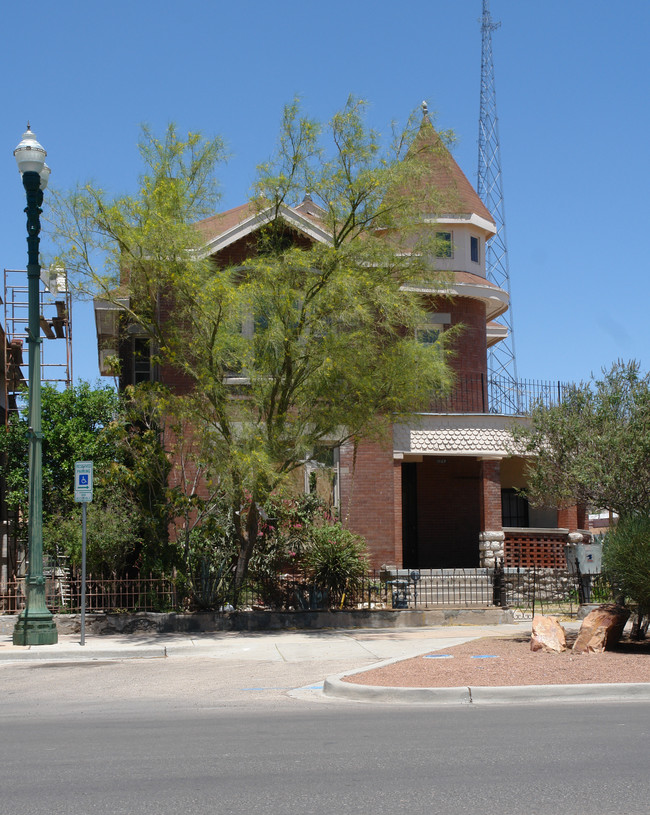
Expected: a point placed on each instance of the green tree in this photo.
(128, 517)
(73, 421)
(333, 354)
(594, 447)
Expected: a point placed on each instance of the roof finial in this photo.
(425, 108)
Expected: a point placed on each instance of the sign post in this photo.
(83, 494)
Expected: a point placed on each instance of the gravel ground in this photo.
(498, 662)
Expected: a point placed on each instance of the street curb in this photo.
(334, 686)
(517, 694)
(41, 653)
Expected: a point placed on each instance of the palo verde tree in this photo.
(332, 354)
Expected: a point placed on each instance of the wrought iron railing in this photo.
(63, 594)
(481, 393)
(523, 590)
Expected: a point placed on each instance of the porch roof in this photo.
(484, 435)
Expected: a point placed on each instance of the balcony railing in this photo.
(478, 393)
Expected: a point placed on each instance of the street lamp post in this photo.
(35, 625)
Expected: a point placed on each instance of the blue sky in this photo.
(572, 86)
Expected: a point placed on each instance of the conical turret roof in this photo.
(444, 186)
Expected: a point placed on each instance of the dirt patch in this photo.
(497, 662)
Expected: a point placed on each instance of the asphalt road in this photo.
(205, 736)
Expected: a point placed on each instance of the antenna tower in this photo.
(502, 366)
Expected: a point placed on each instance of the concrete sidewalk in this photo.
(371, 647)
(285, 646)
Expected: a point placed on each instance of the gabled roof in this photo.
(222, 230)
(440, 172)
(223, 221)
(446, 193)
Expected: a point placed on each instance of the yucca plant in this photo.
(626, 563)
(336, 560)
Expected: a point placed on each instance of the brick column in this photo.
(369, 504)
(583, 519)
(491, 538)
(567, 518)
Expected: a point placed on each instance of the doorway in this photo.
(440, 513)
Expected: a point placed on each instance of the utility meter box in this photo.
(588, 557)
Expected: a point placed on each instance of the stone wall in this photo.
(208, 622)
(544, 585)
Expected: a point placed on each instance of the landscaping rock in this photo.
(548, 635)
(602, 628)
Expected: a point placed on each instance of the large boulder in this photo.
(602, 628)
(547, 635)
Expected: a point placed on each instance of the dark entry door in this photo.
(410, 516)
(441, 513)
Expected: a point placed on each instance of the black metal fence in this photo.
(524, 590)
(548, 591)
(63, 594)
(478, 393)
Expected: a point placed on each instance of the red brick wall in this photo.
(471, 346)
(397, 511)
(469, 359)
(490, 496)
(369, 504)
(583, 517)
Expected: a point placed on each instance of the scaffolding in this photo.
(55, 302)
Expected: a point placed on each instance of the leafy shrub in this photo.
(626, 562)
(113, 540)
(336, 560)
(291, 521)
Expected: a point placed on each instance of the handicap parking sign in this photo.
(83, 481)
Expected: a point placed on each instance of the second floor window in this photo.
(142, 368)
(428, 332)
(443, 245)
(474, 249)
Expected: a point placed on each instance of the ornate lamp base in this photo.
(35, 629)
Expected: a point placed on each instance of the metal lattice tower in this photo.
(502, 366)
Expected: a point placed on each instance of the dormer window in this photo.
(474, 249)
(443, 245)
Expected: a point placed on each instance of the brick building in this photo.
(444, 491)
